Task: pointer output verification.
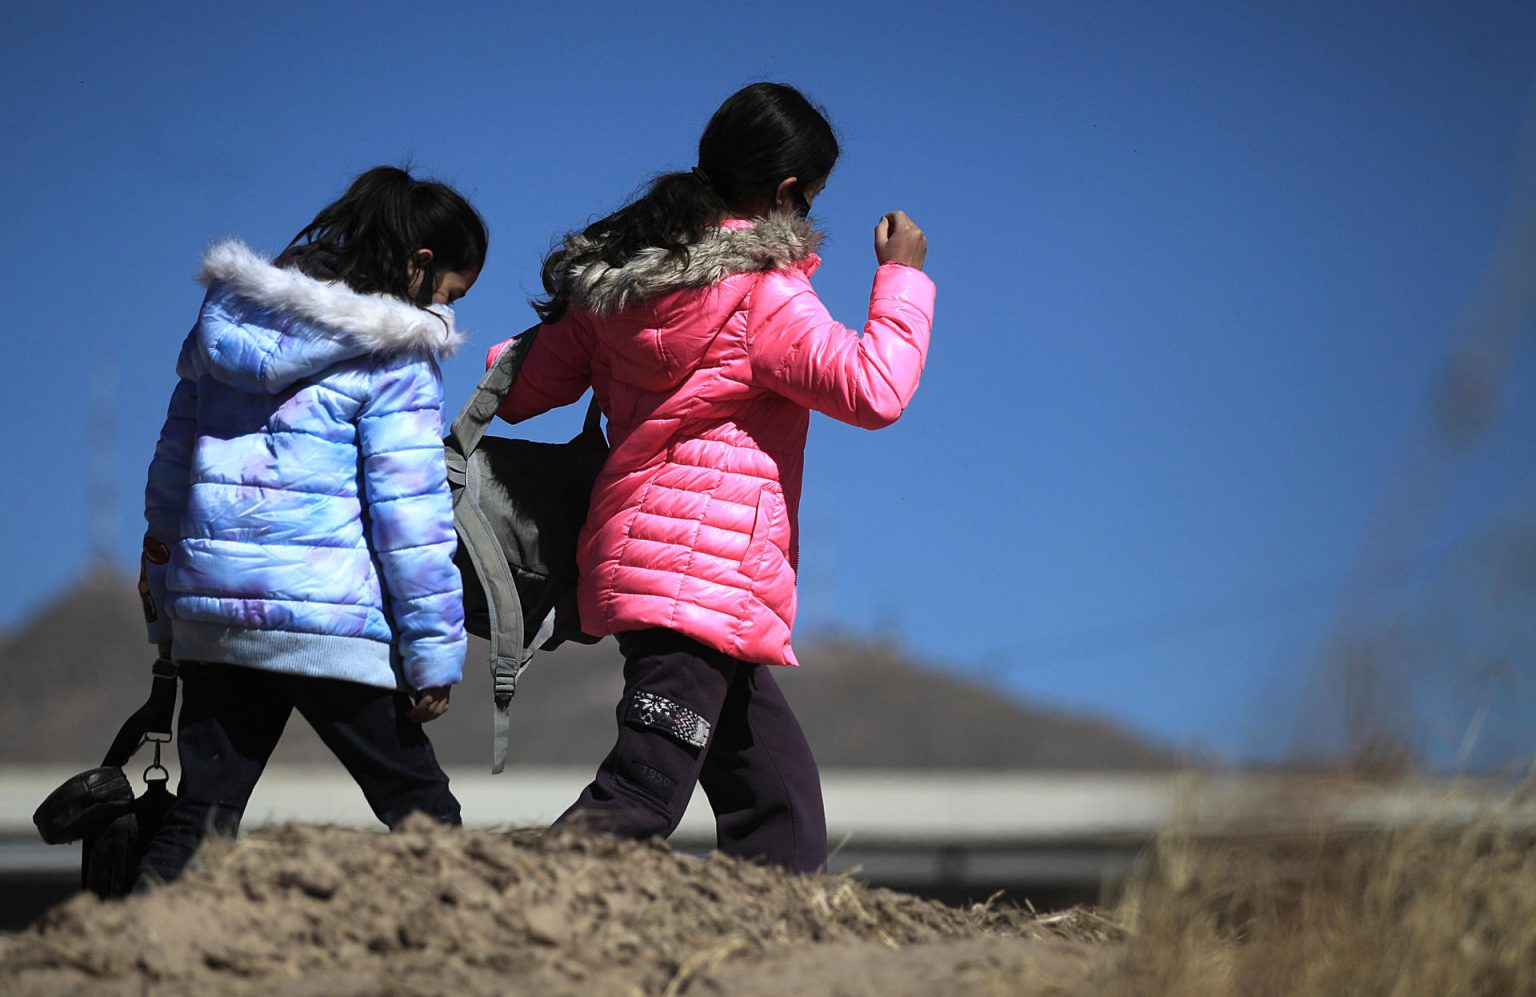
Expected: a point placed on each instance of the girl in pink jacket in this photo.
(690, 313)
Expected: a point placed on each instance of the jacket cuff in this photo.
(905, 283)
(426, 666)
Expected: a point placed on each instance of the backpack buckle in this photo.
(504, 679)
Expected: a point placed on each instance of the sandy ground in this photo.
(303, 910)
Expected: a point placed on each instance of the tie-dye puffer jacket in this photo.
(298, 508)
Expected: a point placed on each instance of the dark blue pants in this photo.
(231, 719)
(754, 763)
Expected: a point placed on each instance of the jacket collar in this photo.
(777, 242)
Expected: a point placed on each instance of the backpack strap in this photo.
(479, 543)
(510, 651)
(504, 607)
(594, 420)
(150, 722)
(476, 415)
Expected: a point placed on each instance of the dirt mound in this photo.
(309, 910)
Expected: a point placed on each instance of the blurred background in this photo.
(1225, 455)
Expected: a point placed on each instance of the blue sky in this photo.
(1201, 267)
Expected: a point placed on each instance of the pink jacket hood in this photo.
(708, 369)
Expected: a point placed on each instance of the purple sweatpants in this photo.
(692, 715)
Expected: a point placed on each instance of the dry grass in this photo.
(1443, 906)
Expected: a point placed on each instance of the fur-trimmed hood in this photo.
(263, 327)
(776, 242)
(379, 322)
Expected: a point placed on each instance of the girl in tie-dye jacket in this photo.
(300, 545)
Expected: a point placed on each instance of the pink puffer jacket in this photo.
(707, 373)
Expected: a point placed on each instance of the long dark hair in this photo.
(762, 134)
(365, 238)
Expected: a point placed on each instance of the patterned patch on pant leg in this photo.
(646, 709)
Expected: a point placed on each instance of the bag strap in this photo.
(504, 607)
(594, 420)
(470, 425)
(510, 653)
(475, 417)
(478, 541)
(150, 722)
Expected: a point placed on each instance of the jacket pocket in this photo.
(767, 556)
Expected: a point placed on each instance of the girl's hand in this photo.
(899, 240)
(430, 704)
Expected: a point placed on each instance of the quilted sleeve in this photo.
(557, 370)
(799, 351)
(165, 499)
(410, 519)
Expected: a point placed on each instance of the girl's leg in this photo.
(390, 757)
(762, 780)
(231, 719)
(673, 691)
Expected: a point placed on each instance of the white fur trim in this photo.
(773, 243)
(382, 323)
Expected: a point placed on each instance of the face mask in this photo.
(802, 206)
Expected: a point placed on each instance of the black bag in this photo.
(110, 857)
(518, 507)
(83, 804)
(98, 806)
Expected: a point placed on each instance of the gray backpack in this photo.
(518, 507)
